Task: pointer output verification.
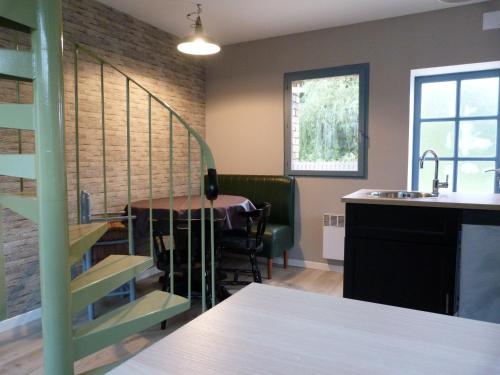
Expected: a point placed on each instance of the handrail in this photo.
(199, 139)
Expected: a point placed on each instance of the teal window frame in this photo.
(417, 122)
(363, 71)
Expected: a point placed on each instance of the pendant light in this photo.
(199, 43)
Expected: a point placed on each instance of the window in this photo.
(457, 115)
(326, 121)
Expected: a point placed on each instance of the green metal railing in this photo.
(206, 163)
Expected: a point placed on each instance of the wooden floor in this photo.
(21, 348)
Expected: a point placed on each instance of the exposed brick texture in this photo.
(148, 55)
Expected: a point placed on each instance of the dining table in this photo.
(265, 329)
(225, 206)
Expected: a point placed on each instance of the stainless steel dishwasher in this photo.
(479, 273)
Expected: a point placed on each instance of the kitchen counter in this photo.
(444, 200)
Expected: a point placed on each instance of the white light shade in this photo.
(198, 45)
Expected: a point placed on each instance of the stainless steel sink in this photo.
(400, 194)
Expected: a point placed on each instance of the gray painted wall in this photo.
(244, 109)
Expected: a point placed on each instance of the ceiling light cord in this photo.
(193, 16)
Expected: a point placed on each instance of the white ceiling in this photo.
(233, 21)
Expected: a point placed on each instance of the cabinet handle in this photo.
(447, 303)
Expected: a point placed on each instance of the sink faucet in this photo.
(435, 183)
(497, 174)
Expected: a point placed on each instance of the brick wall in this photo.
(149, 56)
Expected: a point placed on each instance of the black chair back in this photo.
(263, 211)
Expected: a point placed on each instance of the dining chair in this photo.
(248, 241)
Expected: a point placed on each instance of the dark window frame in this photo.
(417, 121)
(363, 70)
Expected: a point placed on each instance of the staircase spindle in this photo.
(3, 282)
(77, 137)
(130, 228)
(203, 260)
(103, 130)
(150, 167)
(212, 253)
(189, 216)
(171, 199)
(19, 132)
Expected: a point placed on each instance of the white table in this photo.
(270, 330)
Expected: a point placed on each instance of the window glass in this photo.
(478, 138)
(472, 179)
(439, 99)
(325, 112)
(438, 136)
(479, 97)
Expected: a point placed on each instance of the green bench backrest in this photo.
(277, 190)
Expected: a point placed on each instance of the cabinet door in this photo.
(417, 276)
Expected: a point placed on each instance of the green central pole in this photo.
(51, 189)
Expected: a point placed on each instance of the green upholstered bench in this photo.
(280, 192)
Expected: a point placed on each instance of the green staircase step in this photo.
(127, 320)
(25, 204)
(18, 165)
(106, 276)
(16, 64)
(16, 116)
(82, 237)
(19, 11)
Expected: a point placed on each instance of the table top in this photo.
(181, 203)
(269, 330)
(225, 206)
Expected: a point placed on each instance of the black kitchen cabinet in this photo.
(402, 256)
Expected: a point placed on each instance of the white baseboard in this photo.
(21, 319)
(297, 263)
(310, 264)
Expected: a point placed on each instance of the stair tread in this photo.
(18, 165)
(16, 116)
(119, 324)
(153, 302)
(16, 64)
(111, 265)
(82, 237)
(19, 11)
(104, 277)
(23, 203)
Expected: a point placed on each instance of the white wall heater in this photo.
(333, 236)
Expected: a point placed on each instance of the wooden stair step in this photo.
(22, 12)
(18, 165)
(82, 237)
(127, 320)
(16, 65)
(106, 276)
(17, 116)
(24, 204)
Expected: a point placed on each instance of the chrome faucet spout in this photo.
(436, 184)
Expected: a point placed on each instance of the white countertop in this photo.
(445, 200)
(264, 329)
